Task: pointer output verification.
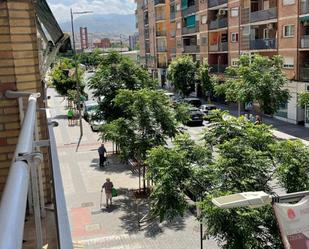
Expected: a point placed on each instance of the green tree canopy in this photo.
(256, 79)
(63, 76)
(304, 99)
(90, 59)
(182, 74)
(117, 72)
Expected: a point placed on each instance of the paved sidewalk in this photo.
(117, 227)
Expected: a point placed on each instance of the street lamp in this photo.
(76, 68)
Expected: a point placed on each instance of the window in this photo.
(234, 12)
(234, 37)
(288, 30)
(288, 2)
(204, 19)
(288, 62)
(265, 33)
(234, 62)
(178, 25)
(204, 40)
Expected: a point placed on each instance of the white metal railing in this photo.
(25, 166)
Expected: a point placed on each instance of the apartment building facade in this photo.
(222, 30)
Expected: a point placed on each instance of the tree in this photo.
(117, 72)
(206, 80)
(147, 121)
(256, 79)
(304, 99)
(63, 77)
(182, 73)
(90, 59)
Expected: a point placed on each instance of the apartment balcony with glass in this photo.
(263, 15)
(190, 25)
(218, 41)
(304, 32)
(263, 37)
(160, 29)
(213, 3)
(304, 7)
(218, 23)
(218, 19)
(190, 44)
(172, 11)
(188, 7)
(218, 63)
(161, 45)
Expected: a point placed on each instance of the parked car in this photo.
(89, 109)
(95, 124)
(196, 116)
(193, 101)
(208, 107)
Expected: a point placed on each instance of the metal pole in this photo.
(77, 78)
(201, 234)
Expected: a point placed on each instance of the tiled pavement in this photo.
(117, 227)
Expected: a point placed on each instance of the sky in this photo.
(61, 8)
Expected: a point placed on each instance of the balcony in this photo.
(304, 7)
(157, 2)
(191, 49)
(218, 24)
(263, 15)
(304, 41)
(188, 11)
(304, 73)
(215, 68)
(161, 49)
(160, 17)
(223, 46)
(213, 3)
(162, 64)
(263, 44)
(190, 30)
(161, 33)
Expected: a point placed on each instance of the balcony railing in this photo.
(304, 41)
(263, 15)
(213, 3)
(218, 24)
(162, 65)
(161, 49)
(215, 68)
(188, 11)
(161, 33)
(191, 49)
(304, 7)
(156, 2)
(304, 73)
(188, 30)
(223, 46)
(263, 44)
(160, 17)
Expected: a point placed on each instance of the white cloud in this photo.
(62, 10)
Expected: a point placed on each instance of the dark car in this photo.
(208, 107)
(196, 116)
(193, 101)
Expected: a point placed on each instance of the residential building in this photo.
(103, 43)
(133, 41)
(30, 39)
(83, 32)
(221, 30)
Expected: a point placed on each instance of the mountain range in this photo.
(109, 24)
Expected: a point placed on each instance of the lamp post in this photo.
(76, 68)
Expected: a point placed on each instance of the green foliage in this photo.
(90, 59)
(61, 78)
(303, 99)
(182, 74)
(117, 72)
(206, 80)
(256, 79)
(182, 112)
(292, 158)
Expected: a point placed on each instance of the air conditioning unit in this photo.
(222, 12)
(270, 26)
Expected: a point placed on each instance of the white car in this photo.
(207, 107)
(95, 124)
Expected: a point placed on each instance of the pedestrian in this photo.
(102, 152)
(258, 120)
(108, 186)
(70, 115)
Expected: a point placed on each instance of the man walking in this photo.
(108, 186)
(102, 152)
